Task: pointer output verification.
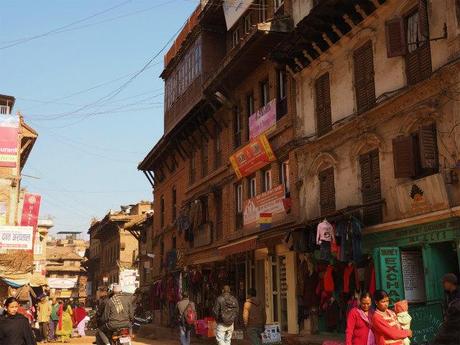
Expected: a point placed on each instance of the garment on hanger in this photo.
(325, 251)
(329, 279)
(346, 278)
(324, 232)
(356, 232)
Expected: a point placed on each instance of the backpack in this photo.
(229, 310)
(189, 316)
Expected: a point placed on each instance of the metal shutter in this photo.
(323, 105)
(364, 77)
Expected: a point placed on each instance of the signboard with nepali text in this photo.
(252, 157)
(9, 141)
(389, 272)
(263, 120)
(16, 237)
(30, 210)
(270, 202)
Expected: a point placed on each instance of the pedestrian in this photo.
(14, 327)
(187, 318)
(359, 325)
(225, 311)
(449, 332)
(254, 317)
(450, 285)
(385, 323)
(43, 317)
(65, 324)
(80, 317)
(54, 319)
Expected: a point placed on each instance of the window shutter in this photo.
(396, 37)
(428, 147)
(327, 191)
(364, 77)
(403, 157)
(370, 184)
(323, 105)
(423, 19)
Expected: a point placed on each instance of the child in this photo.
(404, 319)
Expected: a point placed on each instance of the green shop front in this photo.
(410, 263)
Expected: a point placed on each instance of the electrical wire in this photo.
(31, 38)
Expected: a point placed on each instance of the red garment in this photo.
(387, 329)
(60, 312)
(329, 279)
(372, 283)
(346, 278)
(79, 314)
(357, 332)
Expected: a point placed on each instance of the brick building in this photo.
(223, 98)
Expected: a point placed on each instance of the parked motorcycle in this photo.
(121, 337)
(142, 319)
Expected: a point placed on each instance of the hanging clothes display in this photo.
(324, 237)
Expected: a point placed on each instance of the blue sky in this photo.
(90, 141)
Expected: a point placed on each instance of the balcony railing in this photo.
(4, 109)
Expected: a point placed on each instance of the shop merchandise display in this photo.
(332, 271)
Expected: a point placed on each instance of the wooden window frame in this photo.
(284, 177)
(267, 180)
(327, 191)
(236, 37)
(239, 206)
(192, 171)
(162, 211)
(204, 159)
(323, 110)
(264, 92)
(174, 203)
(371, 191)
(247, 23)
(281, 93)
(263, 11)
(237, 128)
(364, 82)
(217, 149)
(252, 186)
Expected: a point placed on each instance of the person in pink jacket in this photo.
(385, 325)
(359, 326)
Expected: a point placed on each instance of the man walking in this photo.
(254, 317)
(187, 317)
(225, 311)
(44, 316)
(54, 320)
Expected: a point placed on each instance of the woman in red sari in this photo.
(387, 330)
(79, 315)
(359, 330)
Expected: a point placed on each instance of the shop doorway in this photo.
(279, 282)
(444, 259)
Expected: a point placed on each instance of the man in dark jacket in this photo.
(118, 313)
(225, 311)
(450, 285)
(254, 317)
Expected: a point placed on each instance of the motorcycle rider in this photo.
(118, 313)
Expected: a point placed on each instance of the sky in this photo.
(85, 74)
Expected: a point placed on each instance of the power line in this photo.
(31, 38)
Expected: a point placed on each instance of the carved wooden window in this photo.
(327, 191)
(323, 105)
(370, 187)
(364, 77)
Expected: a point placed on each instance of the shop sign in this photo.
(233, 10)
(128, 281)
(413, 276)
(9, 140)
(263, 120)
(62, 283)
(16, 237)
(255, 155)
(269, 202)
(425, 233)
(65, 294)
(426, 321)
(422, 196)
(30, 210)
(388, 272)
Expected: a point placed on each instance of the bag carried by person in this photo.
(189, 316)
(229, 311)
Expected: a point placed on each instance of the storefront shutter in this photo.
(395, 37)
(428, 147)
(403, 157)
(370, 187)
(327, 191)
(364, 77)
(323, 104)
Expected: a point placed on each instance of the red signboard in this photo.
(252, 157)
(30, 211)
(270, 203)
(9, 141)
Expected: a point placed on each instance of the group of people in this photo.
(56, 321)
(384, 326)
(226, 312)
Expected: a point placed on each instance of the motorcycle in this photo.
(121, 337)
(142, 319)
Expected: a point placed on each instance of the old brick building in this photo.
(217, 212)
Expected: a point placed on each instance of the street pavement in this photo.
(137, 341)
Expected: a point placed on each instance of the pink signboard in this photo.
(263, 120)
(9, 140)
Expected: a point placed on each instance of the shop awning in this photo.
(239, 246)
(208, 260)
